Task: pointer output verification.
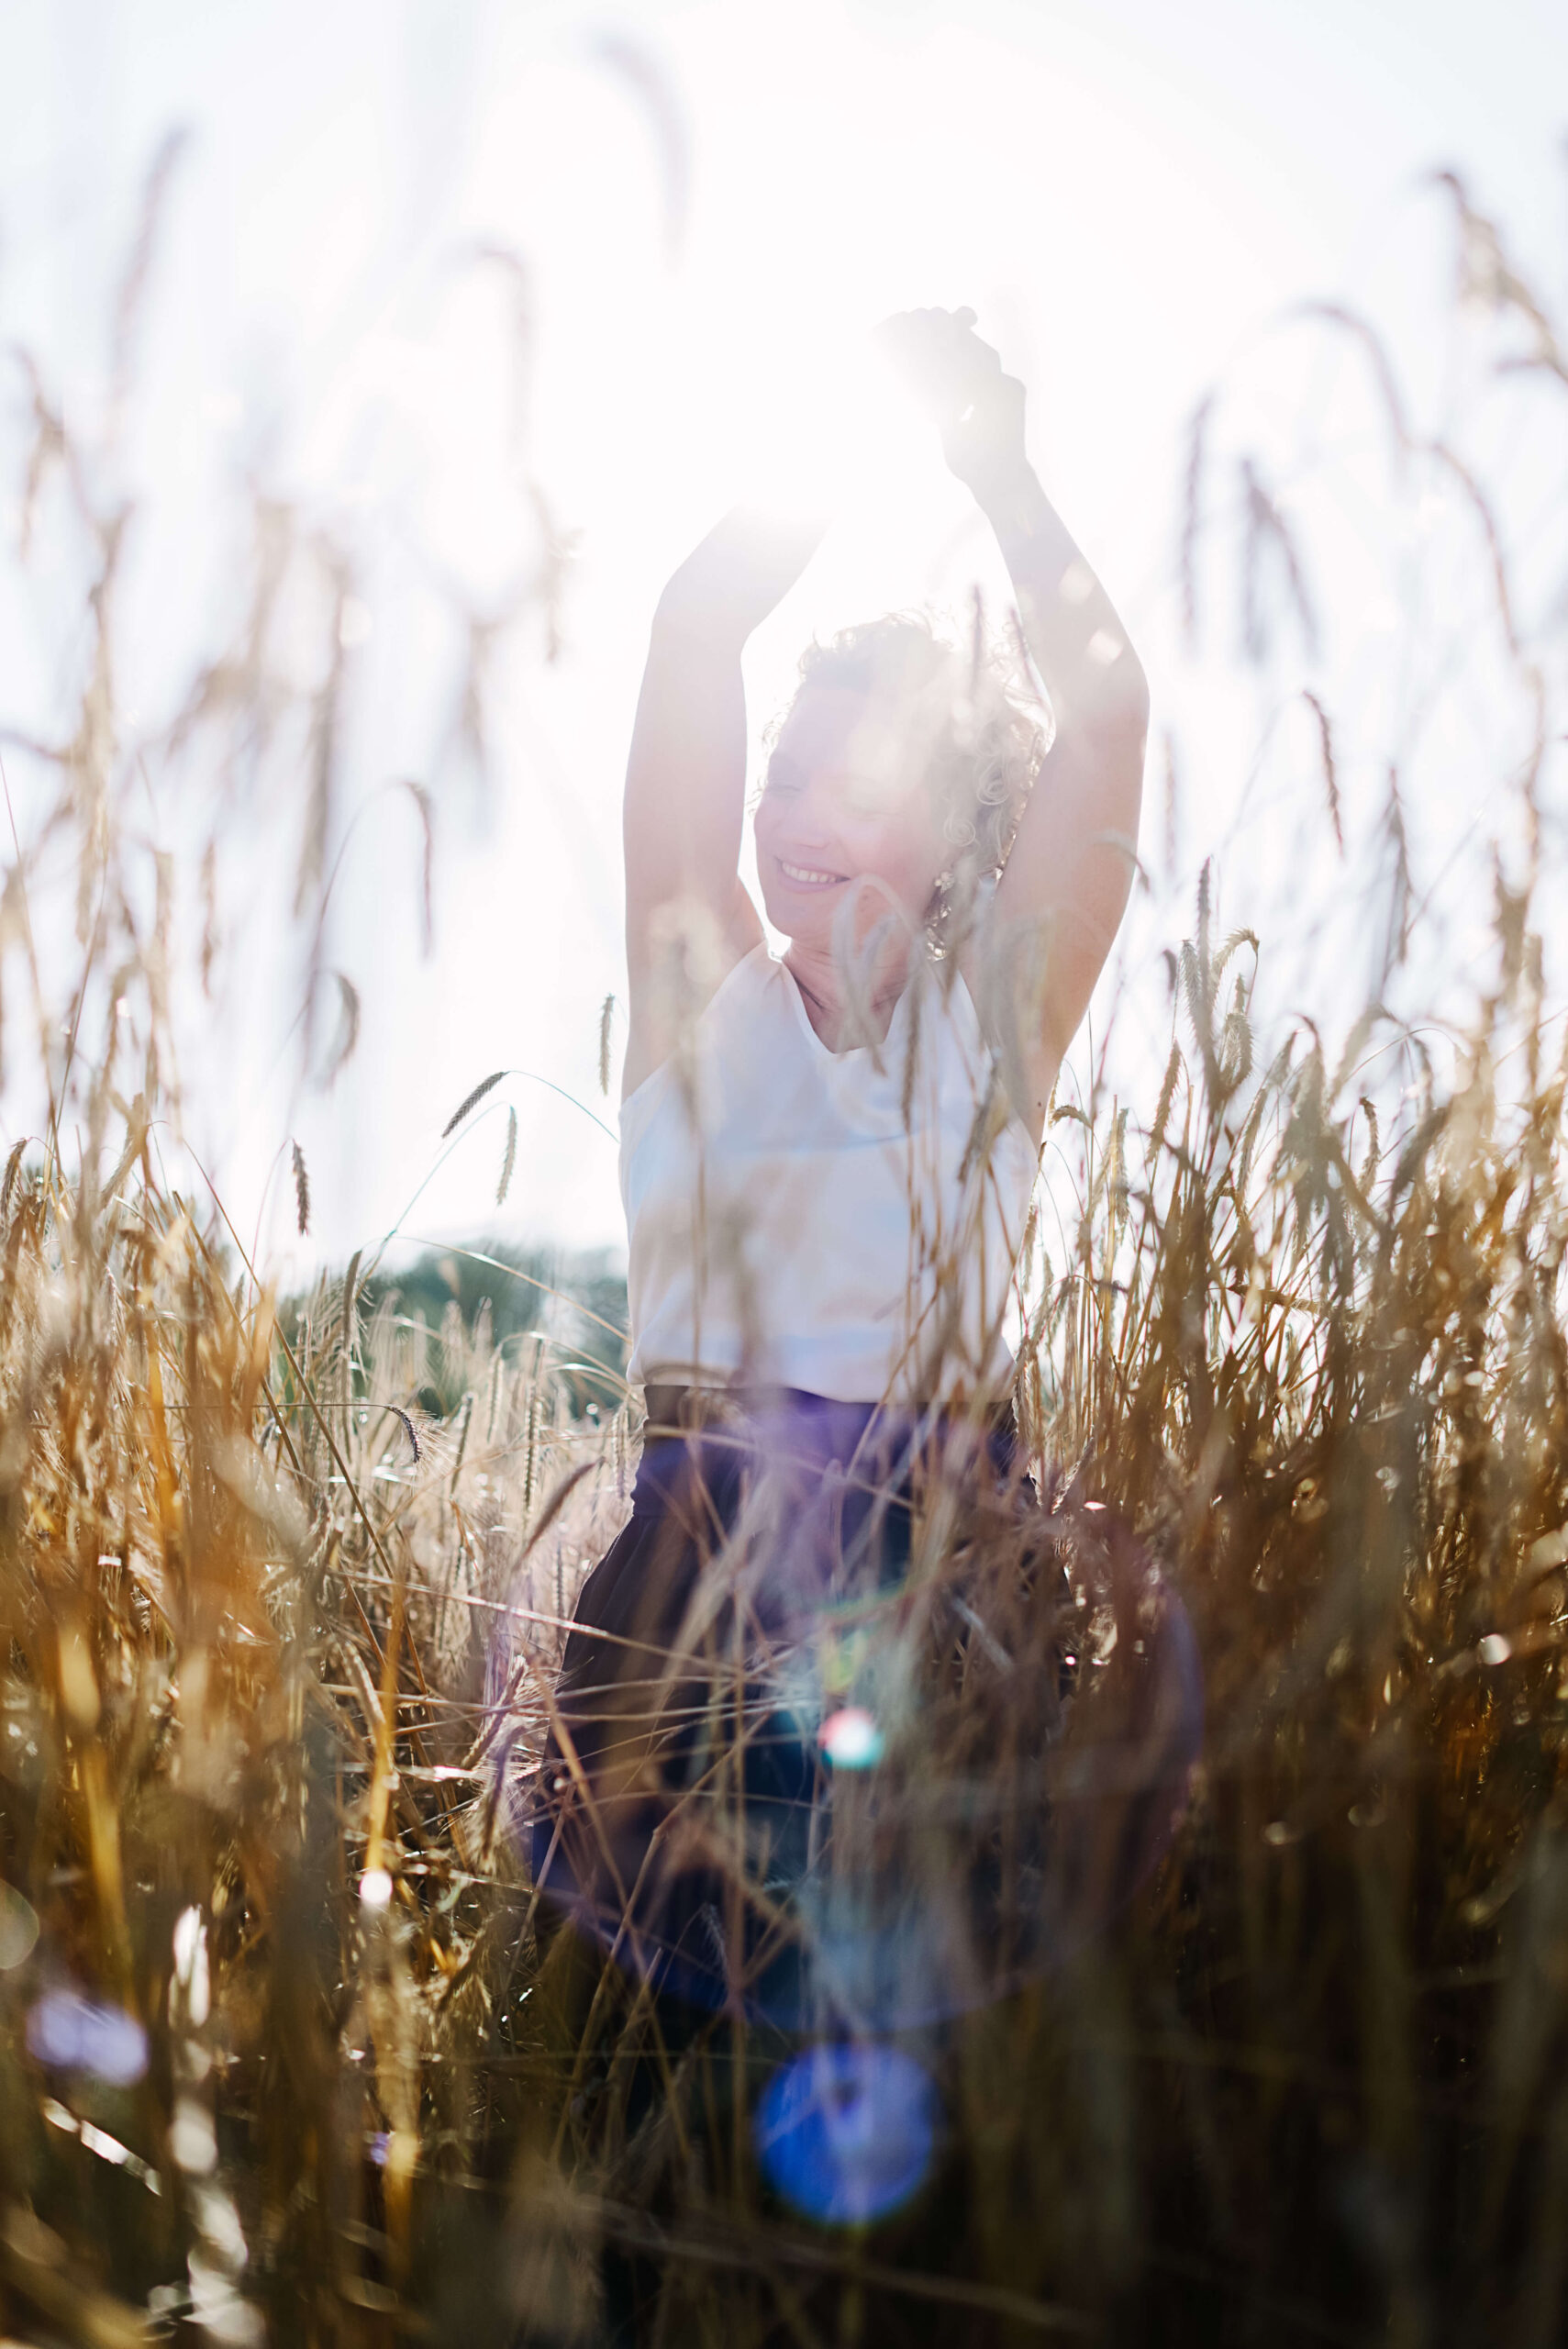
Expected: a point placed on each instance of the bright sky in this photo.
(709, 206)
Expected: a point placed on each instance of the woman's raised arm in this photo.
(685, 781)
(1068, 877)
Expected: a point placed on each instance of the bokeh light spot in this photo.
(846, 2133)
(71, 2034)
(850, 1740)
(19, 1927)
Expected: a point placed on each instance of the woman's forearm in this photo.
(1066, 884)
(685, 778)
(1083, 652)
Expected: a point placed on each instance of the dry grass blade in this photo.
(347, 1036)
(471, 1100)
(1330, 775)
(421, 799)
(607, 1017)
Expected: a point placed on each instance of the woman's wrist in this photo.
(1013, 502)
(1036, 544)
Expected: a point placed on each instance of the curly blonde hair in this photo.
(984, 750)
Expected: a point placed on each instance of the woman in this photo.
(827, 1161)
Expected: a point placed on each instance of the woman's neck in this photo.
(817, 973)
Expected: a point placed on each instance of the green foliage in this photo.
(445, 1303)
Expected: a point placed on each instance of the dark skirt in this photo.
(810, 1752)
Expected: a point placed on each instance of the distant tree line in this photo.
(490, 1293)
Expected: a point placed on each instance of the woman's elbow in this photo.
(1124, 700)
(1136, 690)
(695, 602)
(1109, 709)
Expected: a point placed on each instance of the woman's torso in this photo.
(846, 1223)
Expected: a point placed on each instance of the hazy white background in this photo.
(706, 205)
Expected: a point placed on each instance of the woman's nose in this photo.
(813, 814)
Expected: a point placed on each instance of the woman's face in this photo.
(844, 804)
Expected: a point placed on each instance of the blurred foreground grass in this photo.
(256, 1666)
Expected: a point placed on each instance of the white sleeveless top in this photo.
(789, 1224)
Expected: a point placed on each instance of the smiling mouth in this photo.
(807, 876)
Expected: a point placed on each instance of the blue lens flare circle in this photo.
(846, 2133)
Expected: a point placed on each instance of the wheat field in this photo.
(287, 2051)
